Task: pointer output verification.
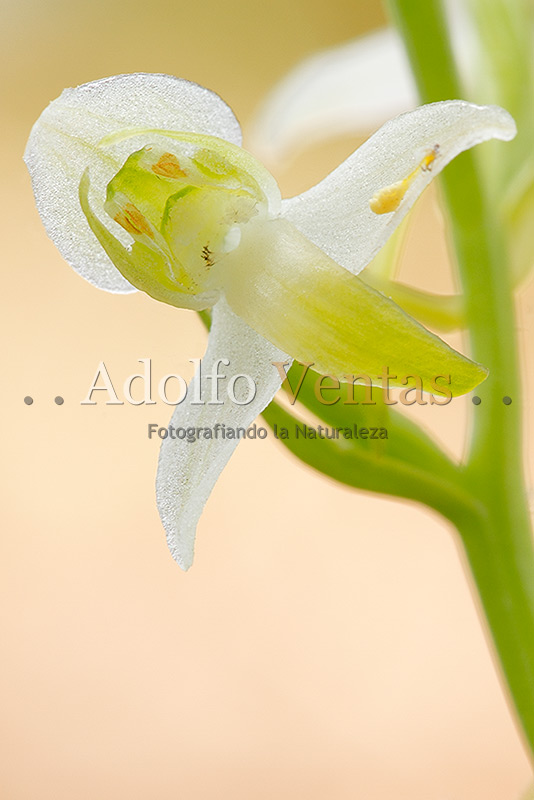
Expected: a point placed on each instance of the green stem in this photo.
(429, 478)
(499, 545)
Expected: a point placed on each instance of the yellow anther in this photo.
(131, 219)
(388, 199)
(168, 166)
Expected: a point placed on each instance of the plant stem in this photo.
(499, 546)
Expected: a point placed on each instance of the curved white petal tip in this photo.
(337, 214)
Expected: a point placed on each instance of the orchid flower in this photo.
(142, 183)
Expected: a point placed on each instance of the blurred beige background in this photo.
(325, 644)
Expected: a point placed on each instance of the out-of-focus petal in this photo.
(352, 88)
(518, 213)
(336, 215)
(187, 471)
(64, 143)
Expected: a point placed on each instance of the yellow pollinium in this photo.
(131, 219)
(388, 199)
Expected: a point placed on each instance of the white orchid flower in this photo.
(141, 182)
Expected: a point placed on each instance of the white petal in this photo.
(63, 143)
(187, 471)
(335, 215)
(352, 88)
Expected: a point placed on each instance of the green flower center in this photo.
(188, 207)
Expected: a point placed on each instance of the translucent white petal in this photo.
(63, 143)
(352, 88)
(187, 471)
(336, 216)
